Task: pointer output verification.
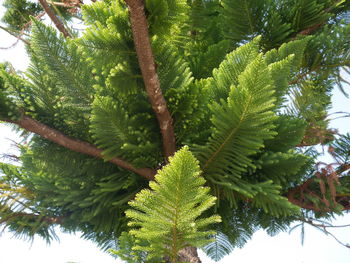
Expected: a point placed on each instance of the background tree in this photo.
(245, 84)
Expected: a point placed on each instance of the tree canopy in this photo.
(167, 125)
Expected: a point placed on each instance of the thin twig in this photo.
(14, 35)
(323, 228)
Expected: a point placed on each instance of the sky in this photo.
(283, 247)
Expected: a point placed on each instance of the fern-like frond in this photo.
(186, 99)
(226, 75)
(219, 248)
(307, 13)
(276, 30)
(290, 132)
(64, 62)
(115, 130)
(107, 42)
(269, 198)
(166, 17)
(8, 104)
(168, 216)
(97, 12)
(340, 149)
(280, 167)
(241, 124)
(241, 18)
(203, 58)
(295, 47)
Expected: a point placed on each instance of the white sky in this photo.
(262, 248)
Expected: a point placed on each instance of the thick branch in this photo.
(55, 19)
(55, 136)
(145, 57)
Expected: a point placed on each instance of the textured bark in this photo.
(66, 4)
(189, 254)
(55, 19)
(75, 145)
(145, 57)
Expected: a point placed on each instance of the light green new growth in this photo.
(168, 216)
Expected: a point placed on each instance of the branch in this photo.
(55, 19)
(51, 220)
(323, 228)
(145, 57)
(14, 35)
(311, 221)
(67, 5)
(310, 30)
(313, 28)
(301, 202)
(55, 136)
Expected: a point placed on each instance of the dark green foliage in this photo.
(166, 16)
(111, 120)
(233, 121)
(125, 252)
(241, 18)
(219, 248)
(8, 108)
(18, 12)
(340, 149)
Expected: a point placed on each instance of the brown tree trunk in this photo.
(139, 26)
(188, 254)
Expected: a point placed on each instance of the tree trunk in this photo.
(188, 254)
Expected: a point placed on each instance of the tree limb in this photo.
(55, 136)
(19, 37)
(64, 4)
(51, 220)
(324, 229)
(145, 57)
(55, 19)
(300, 189)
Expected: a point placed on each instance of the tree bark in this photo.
(55, 136)
(189, 254)
(55, 19)
(145, 57)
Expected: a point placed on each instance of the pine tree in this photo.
(244, 86)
